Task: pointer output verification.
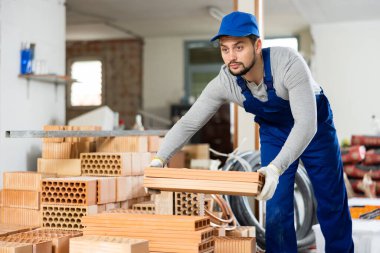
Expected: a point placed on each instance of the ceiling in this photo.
(110, 19)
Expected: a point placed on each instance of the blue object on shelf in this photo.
(26, 61)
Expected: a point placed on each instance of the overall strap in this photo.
(242, 84)
(268, 79)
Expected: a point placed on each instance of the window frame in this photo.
(70, 62)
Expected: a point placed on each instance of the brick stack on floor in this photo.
(21, 198)
(360, 160)
(166, 233)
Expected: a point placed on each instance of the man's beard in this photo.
(245, 70)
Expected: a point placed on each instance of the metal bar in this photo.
(64, 133)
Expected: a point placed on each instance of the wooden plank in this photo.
(203, 186)
(196, 174)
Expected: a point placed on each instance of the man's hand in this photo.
(157, 162)
(271, 173)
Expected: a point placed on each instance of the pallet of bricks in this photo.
(362, 166)
(58, 196)
(21, 217)
(105, 173)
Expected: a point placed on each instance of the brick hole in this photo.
(77, 184)
(51, 200)
(77, 195)
(71, 184)
(101, 161)
(60, 183)
(80, 190)
(71, 195)
(60, 195)
(68, 189)
(80, 201)
(55, 183)
(49, 183)
(113, 157)
(74, 189)
(44, 194)
(69, 226)
(69, 201)
(74, 201)
(79, 220)
(101, 171)
(96, 162)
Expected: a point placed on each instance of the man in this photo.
(295, 121)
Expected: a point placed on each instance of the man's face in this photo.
(238, 54)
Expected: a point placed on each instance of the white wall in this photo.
(23, 105)
(164, 70)
(346, 64)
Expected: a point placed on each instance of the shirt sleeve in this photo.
(298, 81)
(211, 98)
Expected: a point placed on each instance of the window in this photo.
(87, 91)
(202, 63)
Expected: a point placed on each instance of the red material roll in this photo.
(353, 154)
(366, 140)
(358, 171)
(372, 157)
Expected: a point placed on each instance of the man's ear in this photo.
(258, 46)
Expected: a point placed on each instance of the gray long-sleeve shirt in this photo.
(292, 81)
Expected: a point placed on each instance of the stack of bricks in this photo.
(165, 233)
(60, 156)
(108, 244)
(242, 239)
(361, 160)
(204, 181)
(187, 203)
(66, 200)
(43, 240)
(120, 176)
(21, 198)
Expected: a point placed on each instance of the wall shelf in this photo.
(56, 79)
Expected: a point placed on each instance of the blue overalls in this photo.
(322, 161)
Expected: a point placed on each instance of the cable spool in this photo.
(304, 201)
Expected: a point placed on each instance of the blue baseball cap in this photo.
(238, 24)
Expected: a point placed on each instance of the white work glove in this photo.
(157, 162)
(271, 173)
